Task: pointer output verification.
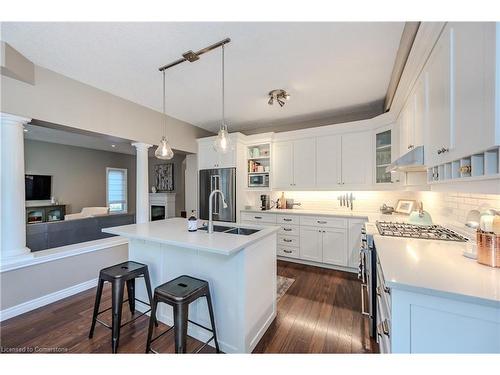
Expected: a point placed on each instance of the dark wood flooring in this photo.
(320, 313)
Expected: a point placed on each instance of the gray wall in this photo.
(79, 174)
(179, 179)
(25, 284)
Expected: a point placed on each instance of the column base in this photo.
(16, 255)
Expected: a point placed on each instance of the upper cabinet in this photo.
(459, 101)
(412, 118)
(356, 159)
(208, 158)
(328, 161)
(344, 160)
(475, 71)
(438, 74)
(294, 164)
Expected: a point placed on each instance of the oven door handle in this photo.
(363, 311)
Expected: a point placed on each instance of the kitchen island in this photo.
(240, 268)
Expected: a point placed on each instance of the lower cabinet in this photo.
(321, 239)
(311, 244)
(326, 245)
(334, 243)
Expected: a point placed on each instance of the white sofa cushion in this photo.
(88, 212)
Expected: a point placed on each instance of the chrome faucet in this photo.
(210, 228)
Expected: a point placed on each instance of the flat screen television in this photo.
(38, 188)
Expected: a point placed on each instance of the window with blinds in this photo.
(116, 189)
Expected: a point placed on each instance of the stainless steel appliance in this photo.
(265, 202)
(223, 179)
(427, 232)
(367, 276)
(258, 180)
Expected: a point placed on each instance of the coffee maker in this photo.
(265, 202)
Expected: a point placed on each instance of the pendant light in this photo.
(222, 143)
(164, 151)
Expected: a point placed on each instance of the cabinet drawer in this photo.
(287, 219)
(258, 217)
(289, 230)
(323, 221)
(383, 334)
(288, 241)
(290, 252)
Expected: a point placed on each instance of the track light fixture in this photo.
(278, 95)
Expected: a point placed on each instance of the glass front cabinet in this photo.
(384, 155)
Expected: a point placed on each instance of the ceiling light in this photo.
(279, 95)
(164, 151)
(25, 130)
(222, 143)
(113, 146)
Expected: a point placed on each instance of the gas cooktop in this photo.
(431, 232)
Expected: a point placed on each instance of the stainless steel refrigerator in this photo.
(223, 179)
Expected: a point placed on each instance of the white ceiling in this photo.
(326, 67)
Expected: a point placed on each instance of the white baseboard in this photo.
(45, 300)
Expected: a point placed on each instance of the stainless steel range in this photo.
(431, 232)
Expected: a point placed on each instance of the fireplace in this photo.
(157, 212)
(161, 206)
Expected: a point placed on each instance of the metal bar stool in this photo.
(120, 275)
(179, 293)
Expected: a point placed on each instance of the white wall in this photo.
(61, 100)
(29, 283)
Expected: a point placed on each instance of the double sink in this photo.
(232, 230)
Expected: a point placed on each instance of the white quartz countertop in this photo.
(174, 232)
(355, 214)
(436, 267)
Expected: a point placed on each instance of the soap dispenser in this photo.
(192, 222)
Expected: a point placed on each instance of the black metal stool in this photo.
(119, 275)
(179, 293)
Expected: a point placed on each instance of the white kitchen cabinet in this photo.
(304, 163)
(311, 244)
(406, 121)
(208, 158)
(295, 164)
(354, 242)
(357, 159)
(412, 117)
(420, 113)
(439, 80)
(328, 161)
(334, 244)
(283, 165)
(474, 63)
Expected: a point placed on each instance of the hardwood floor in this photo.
(320, 313)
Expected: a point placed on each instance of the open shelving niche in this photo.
(480, 166)
(259, 155)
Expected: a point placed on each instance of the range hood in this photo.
(412, 161)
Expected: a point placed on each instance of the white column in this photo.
(12, 202)
(142, 191)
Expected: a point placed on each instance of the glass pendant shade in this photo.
(164, 151)
(222, 143)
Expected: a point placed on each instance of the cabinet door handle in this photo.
(321, 222)
(287, 219)
(287, 229)
(288, 251)
(287, 240)
(257, 217)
